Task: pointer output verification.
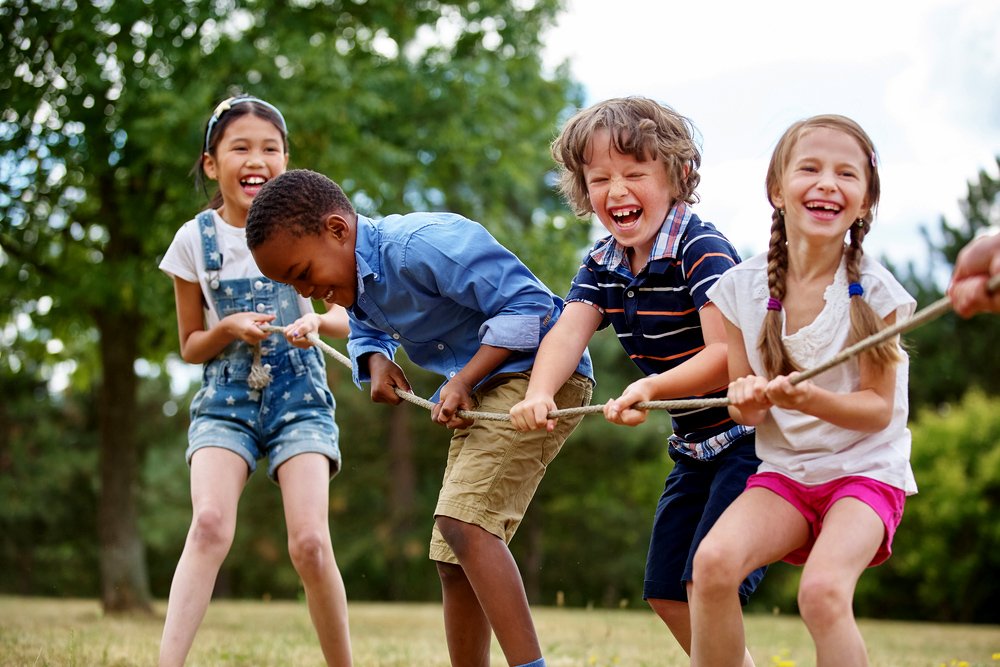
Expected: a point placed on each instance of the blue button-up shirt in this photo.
(440, 286)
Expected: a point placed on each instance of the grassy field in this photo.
(36, 632)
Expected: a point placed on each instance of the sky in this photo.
(922, 77)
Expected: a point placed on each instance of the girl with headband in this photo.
(263, 396)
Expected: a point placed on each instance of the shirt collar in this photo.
(610, 254)
(366, 248)
(366, 253)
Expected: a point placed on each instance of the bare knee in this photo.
(211, 531)
(459, 535)
(823, 600)
(451, 575)
(714, 569)
(310, 551)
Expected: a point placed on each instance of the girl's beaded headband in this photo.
(226, 105)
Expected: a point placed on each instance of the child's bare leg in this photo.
(466, 627)
(758, 528)
(217, 480)
(677, 617)
(851, 535)
(305, 481)
(493, 576)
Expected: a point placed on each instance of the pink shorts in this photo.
(815, 501)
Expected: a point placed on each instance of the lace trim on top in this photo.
(825, 335)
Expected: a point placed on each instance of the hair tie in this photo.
(773, 304)
(855, 289)
(227, 104)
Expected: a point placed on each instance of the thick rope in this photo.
(921, 317)
(260, 373)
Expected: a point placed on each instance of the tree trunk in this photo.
(532, 531)
(402, 494)
(124, 578)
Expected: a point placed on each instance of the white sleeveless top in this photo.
(802, 447)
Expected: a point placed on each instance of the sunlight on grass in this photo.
(37, 632)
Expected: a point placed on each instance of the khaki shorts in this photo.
(493, 469)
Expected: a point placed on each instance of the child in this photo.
(261, 396)
(835, 451)
(463, 306)
(634, 163)
(976, 264)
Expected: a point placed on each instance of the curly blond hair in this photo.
(640, 127)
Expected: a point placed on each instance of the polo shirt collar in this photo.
(611, 254)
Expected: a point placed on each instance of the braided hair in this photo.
(864, 320)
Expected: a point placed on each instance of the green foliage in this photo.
(105, 105)
(950, 354)
(947, 549)
(47, 491)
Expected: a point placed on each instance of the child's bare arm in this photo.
(748, 404)
(704, 372)
(557, 358)
(868, 409)
(199, 345)
(334, 322)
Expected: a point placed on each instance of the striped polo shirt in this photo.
(655, 314)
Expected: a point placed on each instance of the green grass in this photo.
(38, 632)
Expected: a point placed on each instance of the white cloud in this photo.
(920, 77)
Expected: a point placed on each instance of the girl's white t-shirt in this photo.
(804, 448)
(185, 259)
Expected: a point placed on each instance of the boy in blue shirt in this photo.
(634, 163)
(462, 306)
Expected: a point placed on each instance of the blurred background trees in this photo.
(420, 105)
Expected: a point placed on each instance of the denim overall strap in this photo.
(210, 248)
(260, 373)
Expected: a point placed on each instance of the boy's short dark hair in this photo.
(640, 127)
(297, 202)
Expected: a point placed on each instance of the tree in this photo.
(950, 355)
(105, 108)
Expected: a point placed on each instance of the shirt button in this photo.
(258, 285)
(440, 346)
(261, 308)
(451, 374)
(630, 294)
(395, 336)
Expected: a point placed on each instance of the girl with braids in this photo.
(834, 451)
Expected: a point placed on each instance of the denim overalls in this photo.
(294, 412)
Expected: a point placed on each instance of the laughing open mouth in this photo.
(626, 216)
(823, 207)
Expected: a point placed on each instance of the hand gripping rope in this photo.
(919, 318)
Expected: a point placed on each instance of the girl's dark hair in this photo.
(225, 113)
(640, 127)
(864, 320)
